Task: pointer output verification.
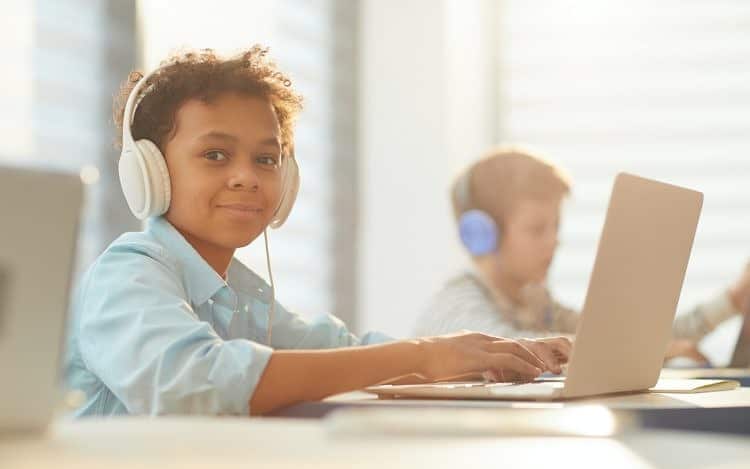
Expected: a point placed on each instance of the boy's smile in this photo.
(224, 160)
(242, 211)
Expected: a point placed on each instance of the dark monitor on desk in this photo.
(39, 212)
(741, 355)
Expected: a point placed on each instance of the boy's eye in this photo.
(215, 155)
(268, 160)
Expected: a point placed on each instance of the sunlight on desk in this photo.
(166, 443)
(594, 421)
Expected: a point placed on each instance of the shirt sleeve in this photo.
(701, 320)
(464, 307)
(292, 331)
(141, 337)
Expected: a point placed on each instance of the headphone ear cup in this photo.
(289, 189)
(133, 180)
(160, 186)
(479, 233)
(144, 179)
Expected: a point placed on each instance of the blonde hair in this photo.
(503, 177)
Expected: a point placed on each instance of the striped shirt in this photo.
(466, 303)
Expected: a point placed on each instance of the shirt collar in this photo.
(522, 315)
(202, 281)
(244, 280)
(497, 297)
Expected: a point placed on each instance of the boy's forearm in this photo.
(293, 376)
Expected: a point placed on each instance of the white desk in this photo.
(288, 443)
(739, 397)
(739, 374)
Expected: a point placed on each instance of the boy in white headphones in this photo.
(167, 321)
(508, 206)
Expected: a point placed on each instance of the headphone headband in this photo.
(130, 107)
(462, 191)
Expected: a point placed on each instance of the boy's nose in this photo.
(243, 177)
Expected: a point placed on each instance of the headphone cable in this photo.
(272, 307)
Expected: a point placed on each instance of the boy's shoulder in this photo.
(133, 255)
(461, 289)
(140, 243)
(134, 251)
(466, 280)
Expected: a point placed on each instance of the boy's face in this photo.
(223, 162)
(529, 239)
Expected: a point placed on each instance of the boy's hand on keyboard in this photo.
(494, 358)
(471, 353)
(553, 351)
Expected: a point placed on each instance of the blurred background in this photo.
(400, 95)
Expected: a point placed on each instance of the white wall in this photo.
(426, 110)
(16, 82)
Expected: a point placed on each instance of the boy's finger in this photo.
(513, 366)
(517, 349)
(545, 352)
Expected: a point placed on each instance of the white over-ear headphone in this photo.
(145, 179)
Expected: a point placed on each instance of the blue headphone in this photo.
(478, 231)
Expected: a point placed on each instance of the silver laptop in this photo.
(630, 303)
(39, 213)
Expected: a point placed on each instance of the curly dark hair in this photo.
(204, 75)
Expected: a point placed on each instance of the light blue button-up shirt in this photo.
(155, 330)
